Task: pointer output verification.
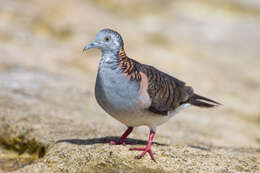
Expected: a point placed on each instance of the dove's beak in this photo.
(91, 45)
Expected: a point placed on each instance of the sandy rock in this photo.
(50, 121)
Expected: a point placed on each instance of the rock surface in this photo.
(50, 121)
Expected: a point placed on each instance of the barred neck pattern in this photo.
(129, 66)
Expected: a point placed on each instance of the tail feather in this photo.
(201, 101)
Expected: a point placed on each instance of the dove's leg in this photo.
(122, 139)
(147, 148)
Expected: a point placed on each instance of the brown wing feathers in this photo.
(168, 93)
(165, 91)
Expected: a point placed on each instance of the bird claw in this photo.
(145, 150)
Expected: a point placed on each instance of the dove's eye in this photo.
(107, 39)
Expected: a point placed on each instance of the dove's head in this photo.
(107, 40)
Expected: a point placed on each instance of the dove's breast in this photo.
(115, 93)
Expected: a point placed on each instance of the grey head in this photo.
(108, 41)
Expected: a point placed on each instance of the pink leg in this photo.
(147, 148)
(122, 139)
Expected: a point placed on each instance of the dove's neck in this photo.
(111, 59)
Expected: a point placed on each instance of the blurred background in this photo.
(47, 82)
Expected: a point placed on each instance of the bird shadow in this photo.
(199, 147)
(104, 140)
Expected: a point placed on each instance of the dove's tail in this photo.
(200, 101)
